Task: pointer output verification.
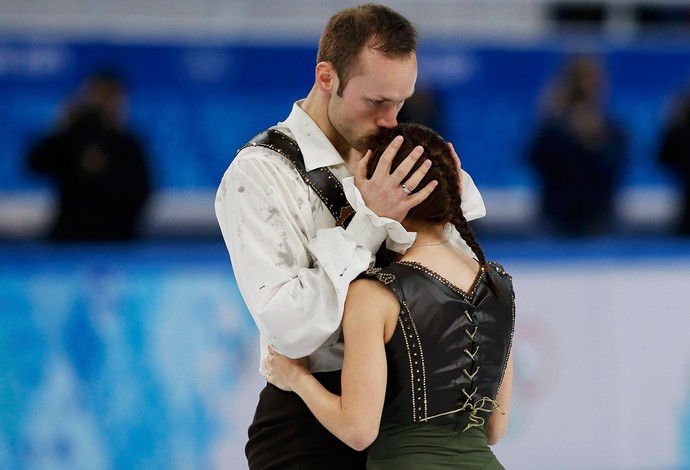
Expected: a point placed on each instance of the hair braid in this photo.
(463, 227)
(457, 218)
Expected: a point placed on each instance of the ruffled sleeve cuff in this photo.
(369, 229)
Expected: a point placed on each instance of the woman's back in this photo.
(446, 360)
(447, 261)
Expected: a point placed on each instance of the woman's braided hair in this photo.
(444, 203)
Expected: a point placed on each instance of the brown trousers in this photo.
(285, 435)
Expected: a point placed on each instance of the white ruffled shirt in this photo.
(292, 266)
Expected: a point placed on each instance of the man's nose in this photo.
(388, 119)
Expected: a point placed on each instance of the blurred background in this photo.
(124, 342)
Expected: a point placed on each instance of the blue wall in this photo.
(115, 357)
(194, 105)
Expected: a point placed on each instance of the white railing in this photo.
(257, 19)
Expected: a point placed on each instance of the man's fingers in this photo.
(457, 165)
(406, 166)
(362, 166)
(383, 167)
(455, 155)
(423, 193)
(415, 178)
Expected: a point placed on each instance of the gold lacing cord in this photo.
(479, 406)
(470, 406)
(473, 409)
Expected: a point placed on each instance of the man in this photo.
(292, 263)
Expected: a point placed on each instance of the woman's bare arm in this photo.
(498, 422)
(355, 416)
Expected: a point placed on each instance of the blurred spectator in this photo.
(674, 153)
(579, 152)
(99, 167)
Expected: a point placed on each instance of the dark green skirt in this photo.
(429, 446)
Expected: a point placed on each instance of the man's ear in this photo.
(326, 78)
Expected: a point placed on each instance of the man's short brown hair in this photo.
(368, 25)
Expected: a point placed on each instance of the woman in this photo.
(427, 373)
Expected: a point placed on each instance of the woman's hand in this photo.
(282, 371)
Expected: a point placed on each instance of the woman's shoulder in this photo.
(369, 300)
(370, 288)
(499, 269)
(369, 285)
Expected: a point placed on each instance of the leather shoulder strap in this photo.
(321, 180)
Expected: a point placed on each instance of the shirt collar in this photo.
(316, 148)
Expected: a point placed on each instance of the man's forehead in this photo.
(383, 88)
(387, 79)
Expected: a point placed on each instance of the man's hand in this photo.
(384, 193)
(458, 166)
(282, 371)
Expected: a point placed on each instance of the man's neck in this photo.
(316, 106)
(351, 159)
